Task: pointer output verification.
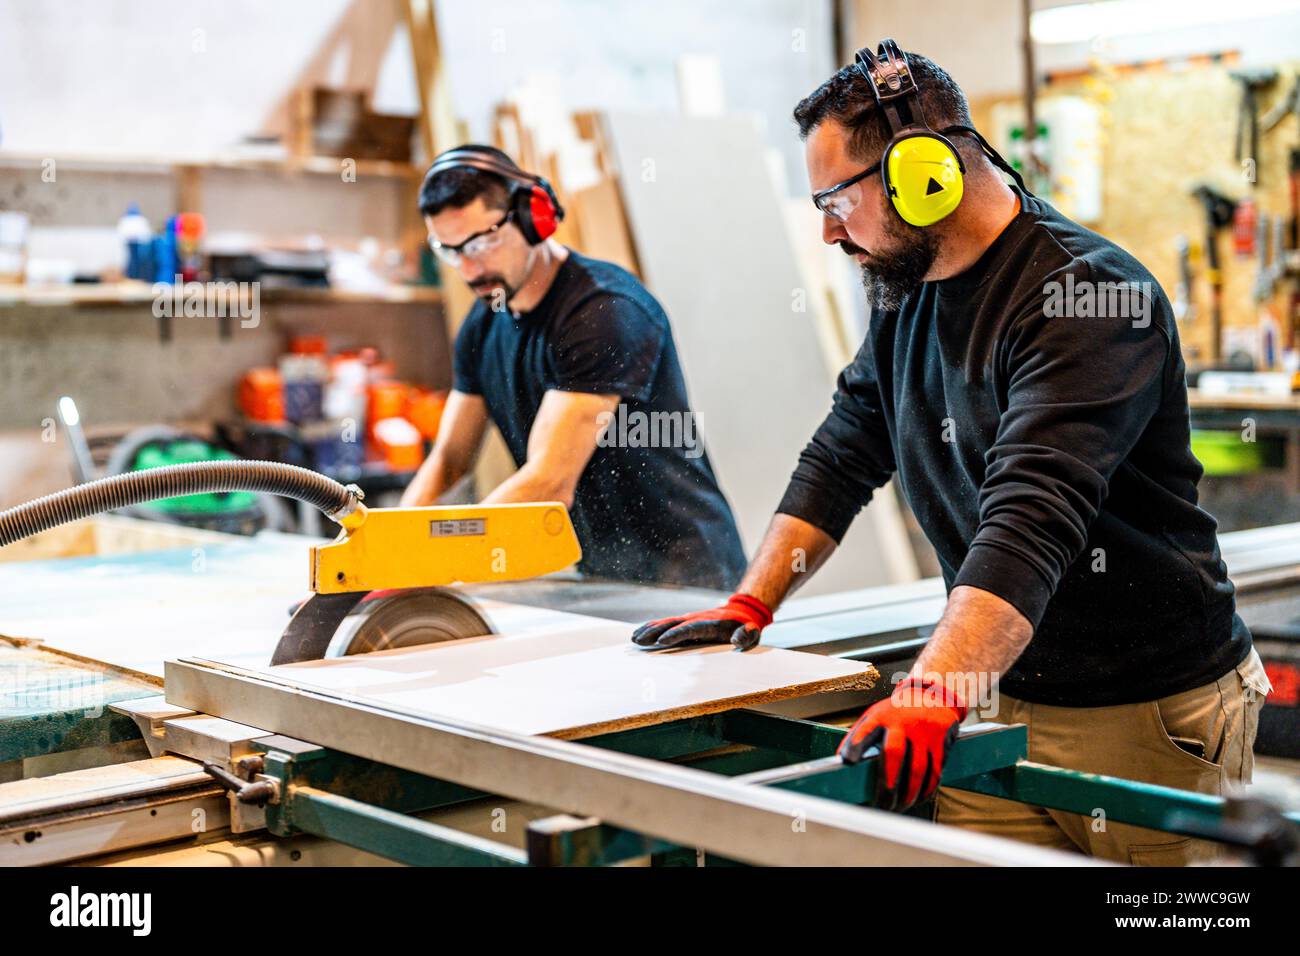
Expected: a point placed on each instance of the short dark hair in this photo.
(459, 186)
(847, 99)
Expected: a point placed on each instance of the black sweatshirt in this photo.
(1036, 418)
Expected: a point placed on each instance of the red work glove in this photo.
(914, 728)
(741, 620)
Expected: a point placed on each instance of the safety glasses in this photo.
(840, 200)
(475, 247)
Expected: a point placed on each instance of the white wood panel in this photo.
(566, 675)
(135, 611)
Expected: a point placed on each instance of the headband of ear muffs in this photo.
(921, 170)
(922, 173)
(537, 210)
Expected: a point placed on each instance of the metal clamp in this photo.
(355, 497)
(258, 792)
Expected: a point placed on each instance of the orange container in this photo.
(308, 345)
(403, 457)
(261, 395)
(385, 399)
(424, 410)
(398, 441)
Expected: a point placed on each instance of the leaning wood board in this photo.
(674, 216)
(567, 676)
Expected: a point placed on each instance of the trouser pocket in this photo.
(1193, 734)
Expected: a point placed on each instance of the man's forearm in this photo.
(979, 633)
(434, 477)
(791, 551)
(530, 484)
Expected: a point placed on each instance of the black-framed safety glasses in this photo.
(835, 202)
(475, 246)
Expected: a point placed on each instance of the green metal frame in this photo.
(368, 805)
(51, 704)
(1123, 801)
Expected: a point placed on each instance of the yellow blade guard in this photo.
(428, 547)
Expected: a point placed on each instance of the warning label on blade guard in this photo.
(457, 527)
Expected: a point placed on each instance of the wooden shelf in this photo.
(1243, 401)
(396, 294)
(314, 165)
(141, 293)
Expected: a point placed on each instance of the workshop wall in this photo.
(597, 55)
(980, 41)
(230, 67)
(1164, 132)
(152, 78)
(75, 215)
(113, 362)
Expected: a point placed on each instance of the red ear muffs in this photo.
(542, 213)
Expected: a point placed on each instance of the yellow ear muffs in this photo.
(923, 177)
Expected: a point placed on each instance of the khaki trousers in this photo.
(1202, 740)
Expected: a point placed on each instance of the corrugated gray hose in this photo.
(152, 484)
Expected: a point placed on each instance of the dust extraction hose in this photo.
(152, 484)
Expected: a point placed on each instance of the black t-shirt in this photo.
(648, 507)
(1035, 413)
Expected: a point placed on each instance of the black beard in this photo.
(495, 291)
(890, 280)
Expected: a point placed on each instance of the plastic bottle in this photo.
(165, 266)
(133, 232)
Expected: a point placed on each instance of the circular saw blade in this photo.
(407, 618)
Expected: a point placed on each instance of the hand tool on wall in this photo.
(1263, 269)
(1272, 274)
(1290, 103)
(1293, 175)
(1218, 216)
(1184, 307)
(1291, 323)
(1245, 226)
(1270, 329)
(1253, 82)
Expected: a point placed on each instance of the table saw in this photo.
(145, 721)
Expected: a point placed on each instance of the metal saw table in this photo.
(297, 772)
